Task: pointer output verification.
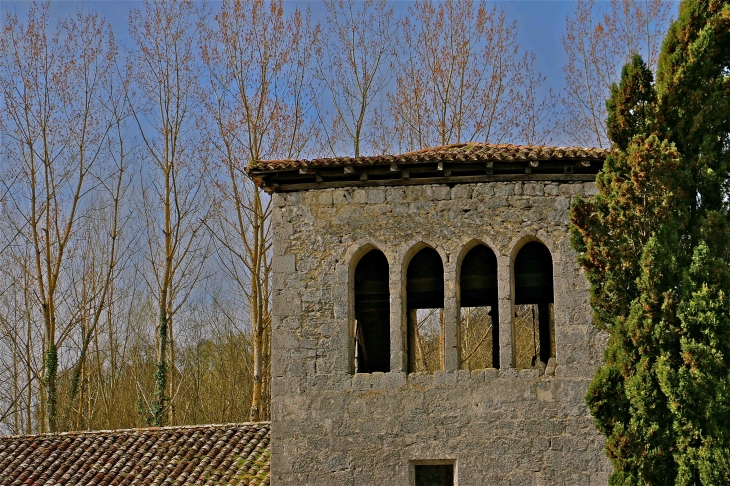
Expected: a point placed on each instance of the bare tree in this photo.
(167, 110)
(538, 122)
(460, 76)
(257, 60)
(20, 341)
(101, 257)
(218, 362)
(599, 40)
(354, 66)
(56, 125)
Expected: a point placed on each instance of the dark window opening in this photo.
(534, 319)
(434, 474)
(372, 314)
(425, 303)
(479, 322)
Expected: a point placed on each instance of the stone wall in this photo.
(498, 426)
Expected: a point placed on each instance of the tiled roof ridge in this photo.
(81, 433)
(457, 151)
(452, 146)
(494, 145)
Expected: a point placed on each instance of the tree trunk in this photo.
(159, 403)
(255, 414)
(50, 379)
(256, 309)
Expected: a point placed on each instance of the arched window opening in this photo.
(534, 320)
(425, 305)
(479, 323)
(372, 314)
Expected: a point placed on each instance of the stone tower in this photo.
(431, 325)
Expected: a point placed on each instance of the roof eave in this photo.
(437, 171)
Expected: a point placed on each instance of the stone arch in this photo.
(533, 295)
(381, 338)
(478, 306)
(409, 250)
(423, 269)
(523, 238)
(464, 250)
(356, 251)
(467, 245)
(371, 294)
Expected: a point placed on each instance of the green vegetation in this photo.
(654, 244)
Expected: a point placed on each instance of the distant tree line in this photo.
(135, 255)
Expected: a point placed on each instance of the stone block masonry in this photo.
(331, 426)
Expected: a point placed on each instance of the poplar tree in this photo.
(653, 242)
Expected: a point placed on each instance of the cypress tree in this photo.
(693, 87)
(654, 244)
(626, 241)
(631, 107)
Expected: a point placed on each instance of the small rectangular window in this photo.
(434, 474)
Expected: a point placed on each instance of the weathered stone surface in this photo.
(504, 426)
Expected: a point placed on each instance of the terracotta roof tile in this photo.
(461, 152)
(236, 454)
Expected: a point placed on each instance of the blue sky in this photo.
(541, 24)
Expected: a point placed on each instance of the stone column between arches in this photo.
(451, 316)
(505, 290)
(398, 316)
(398, 312)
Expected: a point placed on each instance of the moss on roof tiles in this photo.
(205, 454)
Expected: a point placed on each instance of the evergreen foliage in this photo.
(654, 244)
(693, 86)
(631, 109)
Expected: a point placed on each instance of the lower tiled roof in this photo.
(201, 455)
